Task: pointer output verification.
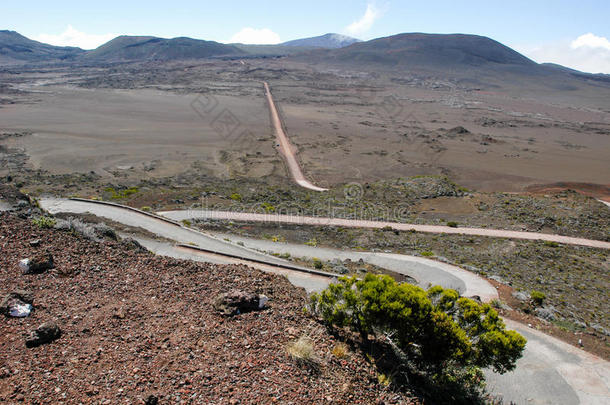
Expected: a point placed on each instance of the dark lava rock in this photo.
(45, 333)
(236, 302)
(151, 400)
(39, 263)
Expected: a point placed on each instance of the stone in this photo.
(17, 304)
(39, 263)
(236, 302)
(151, 400)
(547, 313)
(45, 333)
(521, 296)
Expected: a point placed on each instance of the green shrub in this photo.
(235, 197)
(317, 263)
(312, 242)
(186, 222)
(426, 253)
(44, 222)
(435, 329)
(268, 207)
(538, 297)
(121, 194)
(452, 224)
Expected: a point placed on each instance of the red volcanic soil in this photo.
(599, 191)
(140, 328)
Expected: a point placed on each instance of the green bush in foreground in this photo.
(435, 329)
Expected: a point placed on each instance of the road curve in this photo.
(351, 223)
(550, 371)
(287, 150)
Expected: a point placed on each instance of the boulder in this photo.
(45, 333)
(17, 304)
(521, 296)
(236, 302)
(37, 264)
(547, 313)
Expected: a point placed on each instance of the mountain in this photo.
(428, 51)
(133, 48)
(15, 48)
(330, 41)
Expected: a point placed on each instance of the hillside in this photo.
(330, 41)
(15, 48)
(138, 328)
(434, 51)
(134, 48)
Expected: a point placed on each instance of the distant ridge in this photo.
(329, 41)
(15, 48)
(135, 48)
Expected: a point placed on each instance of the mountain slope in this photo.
(330, 41)
(133, 48)
(15, 48)
(429, 50)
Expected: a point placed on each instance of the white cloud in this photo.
(365, 23)
(590, 41)
(261, 36)
(587, 53)
(73, 37)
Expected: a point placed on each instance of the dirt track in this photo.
(318, 221)
(287, 149)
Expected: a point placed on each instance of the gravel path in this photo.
(350, 223)
(287, 149)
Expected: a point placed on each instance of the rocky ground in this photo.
(136, 328)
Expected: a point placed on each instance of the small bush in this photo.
(538, 297)
(44, 222)
(434, 329)
(235, 197)
(121, 194)
(186, 222)
(146, 209)
(452, 224)
(426, 253)
(268, 207)
(312, 242)
(550, 243)
(317, 263)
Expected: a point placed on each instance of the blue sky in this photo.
(540, 28)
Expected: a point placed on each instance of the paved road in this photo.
(351, 223)
(550, 372)
(426, 272)
(287, 149)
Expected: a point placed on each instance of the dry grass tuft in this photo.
(302, 351)
(340, 350)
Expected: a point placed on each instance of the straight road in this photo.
(287, 149)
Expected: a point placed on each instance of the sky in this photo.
(571, 33)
